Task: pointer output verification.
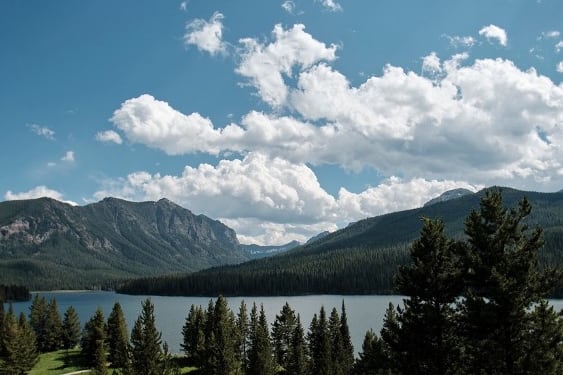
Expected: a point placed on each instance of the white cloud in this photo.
(550, 34)
(109, 136)
(559, 46)
(37, 192)
(560, 67)
(265, 65)
(207, 35)
(494, 32)
(431, 63)
(42, 131)
(68, 157)
(331, 5)
(184, 6)
(288, 6)
(272, 201)
(461, 41)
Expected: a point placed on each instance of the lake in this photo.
(364, 312)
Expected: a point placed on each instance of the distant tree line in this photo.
(14, 293)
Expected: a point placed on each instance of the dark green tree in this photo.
(21, 352)
(425, 339)
(242, 325)
(38, 319)
(146, 342)
(297, 363)
(347, 354)
(336, 343)
(373, 359)
(53, 327)
(117, 338)
(260, 356)
(193, 343)
(70, 328)
(503, 283)
(2, 330)
(282, 332)
(93, 339)
(320, 345)
(224, 358)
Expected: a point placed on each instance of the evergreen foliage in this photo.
(117, 338)
(14, 293)
(70, 329)
(320, 344)
(146, 341)
(242, 338)
(19, 345)
(282, 332)
(297, 363)
(193, 343)
(260, 357)
(93, 340)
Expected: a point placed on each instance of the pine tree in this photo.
(260, 357)
(320, 345)
(390, 338)
(118, 338)
(21, 352)
(70, 329)
(93, 341)
(38, 318)
(297, 356)
(242, 324)
(146, 342)
(224, 332)
(282, 331)
(425, 343)
(503, 284)
(53, 327)
(373, 359)
(336, 343)
(2, 330)
(193, 335)
(347, 355)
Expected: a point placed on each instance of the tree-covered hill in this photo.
(361, 258)
(48, 244)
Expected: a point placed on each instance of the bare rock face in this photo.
(113, 235)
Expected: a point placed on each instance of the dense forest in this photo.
(472, 306)
(14, 293)
(360, 259)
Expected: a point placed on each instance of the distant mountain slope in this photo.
(361, 258)
(48, 244)
(449, 195)
(260, 251)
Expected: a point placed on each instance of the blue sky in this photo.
(280, 118)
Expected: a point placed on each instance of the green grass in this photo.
(57, 363)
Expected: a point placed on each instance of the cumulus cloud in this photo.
(109, 136)
(431, 63)
(270, 200)
(288, 6)
(331, 5)
(461, 41)
(207, 35)
(68, 157)
(42, 131)
(37, 192)
(494, 32)
(559, 46)
(550, 34)
(266, 64)
(560, 67)
(489, 122)
(184, 6)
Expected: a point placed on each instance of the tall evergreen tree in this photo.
(503, 284)
(242, 324)
(93, 340)
(282, 332)
(21, 353)
(297, 363)
(224, 359)
(425, 339)
(260, 357)
(373, 359)
(53, 327)
(146, 342)
(336, 343)
(320, 345)
(193, 343)
(347, 355)
(118, 338)
(70, 328)
(38, 318)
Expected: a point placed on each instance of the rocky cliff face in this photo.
(112, 237)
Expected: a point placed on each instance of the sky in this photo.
(282, 119)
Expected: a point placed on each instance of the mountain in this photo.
(259, 251)
(317, 237)
(449, 195)
(359, 259)
(48, 244)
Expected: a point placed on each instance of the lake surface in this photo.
(364, 312)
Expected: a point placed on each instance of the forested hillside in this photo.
(47, 244)
(361, 258)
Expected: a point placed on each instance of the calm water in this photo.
(364, 312)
